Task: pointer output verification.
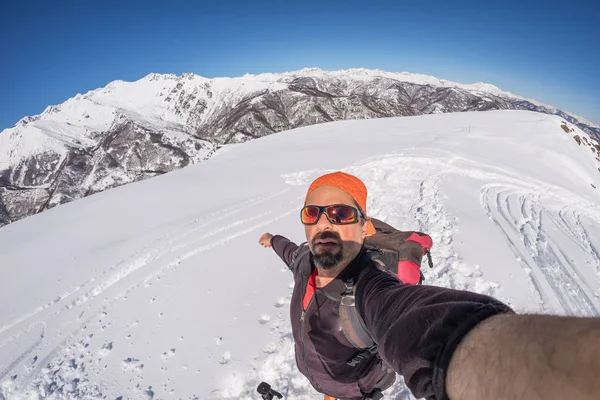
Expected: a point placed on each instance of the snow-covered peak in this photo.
(185, 103)
(150, 92)
(154, 76)
(480, 87)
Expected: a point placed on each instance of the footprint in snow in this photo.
(131, 363)
(270, 349)
(106, 348)
(225, 358)
(168, 354)
(149, 393)
(280, 303)
(31, 365)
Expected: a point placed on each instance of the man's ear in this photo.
(365, 226)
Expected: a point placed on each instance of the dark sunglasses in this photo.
(337, 214)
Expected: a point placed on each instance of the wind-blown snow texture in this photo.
(159, 289)
(130, 131)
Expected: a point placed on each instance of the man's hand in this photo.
(265, 240)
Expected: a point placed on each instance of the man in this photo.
(446, 343)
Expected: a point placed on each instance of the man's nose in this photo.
(323, 222)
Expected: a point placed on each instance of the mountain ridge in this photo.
(128, 131)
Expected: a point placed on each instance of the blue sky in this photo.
(52, 50)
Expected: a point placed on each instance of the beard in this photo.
(327, 258)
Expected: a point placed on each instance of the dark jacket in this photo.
(416, 328)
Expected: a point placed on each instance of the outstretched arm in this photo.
(527, 357)
(469, 346)
(284, 247)
(417, 328)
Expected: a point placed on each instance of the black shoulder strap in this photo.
(297, 256)
(353, 326)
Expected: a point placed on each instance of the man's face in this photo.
(332, 244)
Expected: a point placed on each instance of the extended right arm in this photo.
(465, 346)
(417, 328)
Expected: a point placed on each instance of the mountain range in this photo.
(130, 131)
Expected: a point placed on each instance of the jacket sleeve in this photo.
(417, 328)
(284, 248)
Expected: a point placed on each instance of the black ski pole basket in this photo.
(267, 392)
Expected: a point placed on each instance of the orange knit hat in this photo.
(349, 184)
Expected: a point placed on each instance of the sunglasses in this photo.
(337, 214)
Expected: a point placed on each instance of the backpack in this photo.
(387, 247)
(398, 246)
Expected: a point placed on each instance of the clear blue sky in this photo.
(52, 50)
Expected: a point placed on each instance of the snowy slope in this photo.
(159, 289)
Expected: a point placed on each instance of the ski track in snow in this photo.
(518, 207)
(155, 250)
(520, 214)
(62, 366)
